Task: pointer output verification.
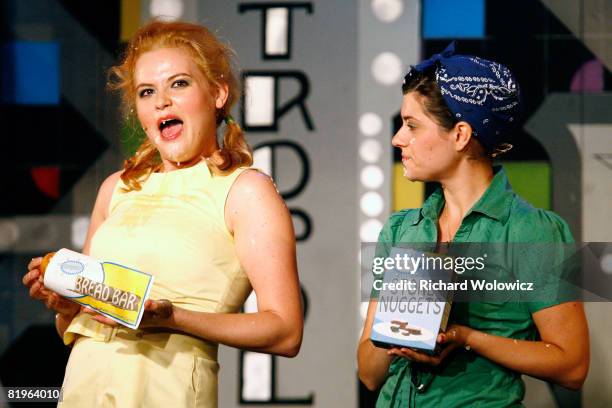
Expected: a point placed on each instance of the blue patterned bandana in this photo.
(483, 93)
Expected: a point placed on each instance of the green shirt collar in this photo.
(494, 203)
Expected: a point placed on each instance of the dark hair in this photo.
(424, 84)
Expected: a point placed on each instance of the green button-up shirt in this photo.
(465, 378)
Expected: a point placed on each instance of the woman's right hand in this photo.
(34, 281)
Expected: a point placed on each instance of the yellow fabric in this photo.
(150, 370)
(173, 228)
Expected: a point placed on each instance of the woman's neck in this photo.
(464, 187)
(169, 165)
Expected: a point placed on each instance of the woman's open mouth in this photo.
(170, 129)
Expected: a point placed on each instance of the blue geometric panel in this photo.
(453, 19)
(30, 73)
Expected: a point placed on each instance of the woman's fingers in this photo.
(104, 320)
(98, 317)
(419, 357)
(55, 302)
(30, 277)
(157, 313)
(158, 309)
(36, 291)
(404, 352)
(34, 263)
(446, 350)
(51, 302)
(67, 307)
(400, 353)
(89, 310)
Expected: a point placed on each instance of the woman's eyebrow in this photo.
(167, 80)
(177, 75)
(408, 117)
(143, 84)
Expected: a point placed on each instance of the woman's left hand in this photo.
(454, 337)
(157, 313)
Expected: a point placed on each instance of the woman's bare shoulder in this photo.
(252, 183)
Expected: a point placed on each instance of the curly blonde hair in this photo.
(214, 59)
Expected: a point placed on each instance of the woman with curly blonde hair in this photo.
(187, 209)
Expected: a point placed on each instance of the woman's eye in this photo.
(410, 125)
(145, 92)
(180, 83)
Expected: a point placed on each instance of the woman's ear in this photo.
(463, 134)
(222, 94)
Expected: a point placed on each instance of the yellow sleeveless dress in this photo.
(173, 228)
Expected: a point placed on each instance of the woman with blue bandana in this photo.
(457, 112)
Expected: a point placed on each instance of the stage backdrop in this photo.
(321, 83)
